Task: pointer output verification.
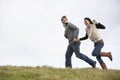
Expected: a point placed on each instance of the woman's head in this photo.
(87, 21)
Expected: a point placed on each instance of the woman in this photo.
(93, 34)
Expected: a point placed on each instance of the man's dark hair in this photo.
(63, 17)
(86, 18)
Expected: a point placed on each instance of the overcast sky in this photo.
(31, 33)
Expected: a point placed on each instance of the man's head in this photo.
(64, 20)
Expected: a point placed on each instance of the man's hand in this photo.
(76, 40)
(65, 35)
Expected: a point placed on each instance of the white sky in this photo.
(31, 33)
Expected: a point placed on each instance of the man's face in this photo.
(87, 23)
(64, 20)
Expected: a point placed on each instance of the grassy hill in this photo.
(49, 73)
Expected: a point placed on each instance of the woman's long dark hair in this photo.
(86, 18)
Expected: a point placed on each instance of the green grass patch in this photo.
(49, 73)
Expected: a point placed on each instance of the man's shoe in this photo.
(68, 67)
(94, 64)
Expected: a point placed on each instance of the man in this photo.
(71, 33)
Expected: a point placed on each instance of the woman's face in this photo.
(87, 23)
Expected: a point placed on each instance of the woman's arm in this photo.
(84, 38)
(100, 26)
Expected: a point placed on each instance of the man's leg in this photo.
(68, 55)
(76, 49)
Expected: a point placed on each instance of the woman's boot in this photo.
(106, 54)
(103, 65)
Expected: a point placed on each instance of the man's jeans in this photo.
(74, 47)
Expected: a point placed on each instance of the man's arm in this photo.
(84, 38)
(65, 35)
(80, 39)
(72, 26)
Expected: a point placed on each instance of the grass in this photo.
(49, 73)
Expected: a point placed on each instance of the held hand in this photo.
(76, 40)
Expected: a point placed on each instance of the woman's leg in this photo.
(97, 52)
(106, 54)
(103, 65)
(98, 48)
